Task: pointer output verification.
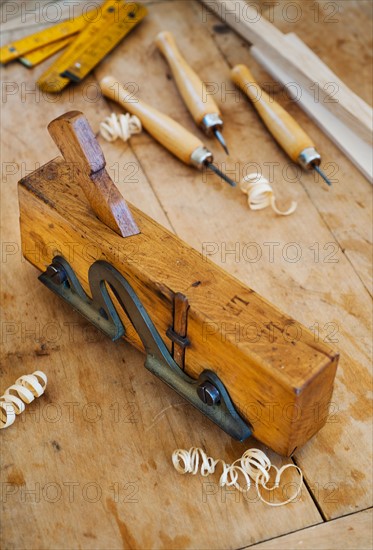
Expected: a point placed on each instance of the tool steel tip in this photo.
(221, 140)
(319, 171)
(220, 174)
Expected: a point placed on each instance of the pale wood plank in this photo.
(83, 368)
(346, 209)
(349, 215)
(68, 363)
(351, 532)
(319, 291)
(357, 150)
(257, 30)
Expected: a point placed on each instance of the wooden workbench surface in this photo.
(88, 465)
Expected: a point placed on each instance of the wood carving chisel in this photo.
(201, 106)
(169, 133)
(286, 131)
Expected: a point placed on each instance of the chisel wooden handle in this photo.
(282, 126)
(164, 129)
(191, 87)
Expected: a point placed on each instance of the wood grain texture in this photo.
(294, 372)
(189, 84)
(355, 148)
(286, 131)
(75, 139)
(142, 421)
(324, 285)
(244, 19)
(180, 327)
(348, 215)
(355, 531)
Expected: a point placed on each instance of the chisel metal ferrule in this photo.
(200, 157)
(210, 122)
(308, 158)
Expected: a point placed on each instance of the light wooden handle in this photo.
(282, 126)
(164, 129)
(191, 87)
(75, 139)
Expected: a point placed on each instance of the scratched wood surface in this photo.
(88, 464)
(353, 531)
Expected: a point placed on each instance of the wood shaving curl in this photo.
(26, 388)
(121, 126)
(253, 465)
(260, 194)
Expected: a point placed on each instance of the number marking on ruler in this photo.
(98, 38)
(21, 47)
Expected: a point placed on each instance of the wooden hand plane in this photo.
(245, 364)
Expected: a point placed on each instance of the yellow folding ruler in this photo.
(99, 32)
(48, 38)
(35, 57)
